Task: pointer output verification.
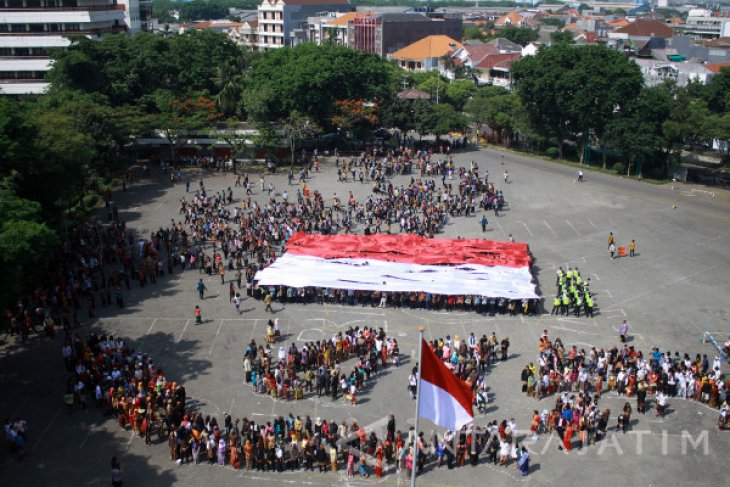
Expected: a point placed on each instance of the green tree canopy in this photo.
(130, 69)
(519, 35)
(473, 33)
(203, 10)
(309, 78)
(561, 36)
(573, 92)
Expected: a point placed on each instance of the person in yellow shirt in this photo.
(632, 248)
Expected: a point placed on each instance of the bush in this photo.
(619, 168)
(552, 152)
(90, 200)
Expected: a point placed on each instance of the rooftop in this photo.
(434, 46)
(647, 28)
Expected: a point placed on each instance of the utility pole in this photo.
(438, 84)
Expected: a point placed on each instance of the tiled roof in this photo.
(498, 60)
(413, 94)
(316, 2)
(433, 46)
(479, 52)
(646, 28)
(720, 42)
(343, 20)
(618, 23)
(513, 17)
(715, 67)
(215, 25)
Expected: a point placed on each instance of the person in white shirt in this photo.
(661, 404)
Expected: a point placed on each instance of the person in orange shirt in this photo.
(198, 315)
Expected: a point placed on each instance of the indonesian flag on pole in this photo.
(404, 263)
(443, 398)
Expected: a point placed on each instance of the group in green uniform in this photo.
(572, 294)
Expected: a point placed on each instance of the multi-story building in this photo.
(246, 34)
(706, 24)
(29, 29)
(279, 18)
(386, 33)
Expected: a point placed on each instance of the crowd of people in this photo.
(579, 378)
(318, 366)
(470, 359)
(573, 294)
(209, 224)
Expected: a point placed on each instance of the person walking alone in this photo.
(201, 289)
(485, 222)
(116, 473)
(623, 331)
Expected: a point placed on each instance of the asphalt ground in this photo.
(671, 292)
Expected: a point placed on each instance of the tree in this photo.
(573, 92)
(718, 127)
(266, 141)
(297, 127)
(442, 119)
(180, 118)
(129, 70)
(639, 132)
(459, 91)
(561, 36)
(229, 134)
(477, 109)
(356, 116)
(716, 92)
(553, 21)
(109, 128)
(519, 35)
(495, 107)
(400, 114)
(310, 78)
(473, 33)
(203, 10)
(26, 243)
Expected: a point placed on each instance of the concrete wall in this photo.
(397, 35)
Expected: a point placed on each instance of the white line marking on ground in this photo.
(183, 331)
(300, 339)
(351, 312)
(593, 224)
(670, 283)
(212, 345)
(526, 228)
(550, 228)
(20, 408)
(571, 226)
(623, 312)
(83, 443)
(500, 227)
(596, 276)
(151, 326)
(47, 429)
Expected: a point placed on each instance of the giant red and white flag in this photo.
(404, 263)
(443, 398)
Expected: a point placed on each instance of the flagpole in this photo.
(414, 467)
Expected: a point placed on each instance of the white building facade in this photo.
(30, 29)
(278, 19)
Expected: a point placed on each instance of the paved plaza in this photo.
(675, 288)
